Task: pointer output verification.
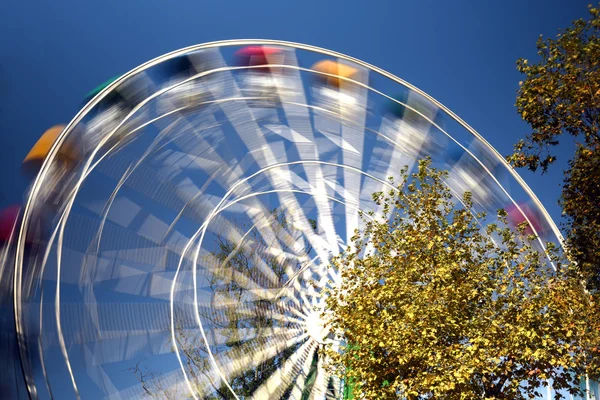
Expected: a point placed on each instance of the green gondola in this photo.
(92, 93)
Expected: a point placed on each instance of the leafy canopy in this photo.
(433, 305)
(561, 94)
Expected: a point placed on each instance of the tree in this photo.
(435, 303)
(561, 95)
(581, 204)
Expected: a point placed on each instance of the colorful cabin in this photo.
(335, 68)
(516, 217)
(131, 91)
(92, 93)
(36, 156)
(9, 219)
(397, 108)
(413, 107)
(114, 97)
(10, 223)
(174, 67)
(258, 55)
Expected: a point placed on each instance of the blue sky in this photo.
(461, 52)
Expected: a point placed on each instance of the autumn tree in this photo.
(560, 96)
(436, 303)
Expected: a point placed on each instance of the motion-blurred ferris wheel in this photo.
(175, 243)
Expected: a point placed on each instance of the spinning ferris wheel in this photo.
(175, 242)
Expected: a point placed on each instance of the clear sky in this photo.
(461, 52)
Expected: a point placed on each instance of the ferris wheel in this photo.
(176, 241)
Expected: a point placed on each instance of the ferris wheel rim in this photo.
(295, 45)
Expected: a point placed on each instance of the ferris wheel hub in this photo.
(316, 326)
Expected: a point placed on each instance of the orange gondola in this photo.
(335, 71)
(36, 156)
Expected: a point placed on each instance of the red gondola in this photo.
(258, 55)
(9, 219)
(516, 217)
